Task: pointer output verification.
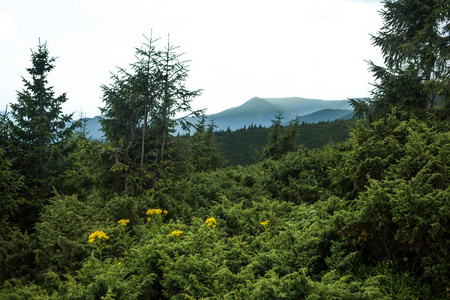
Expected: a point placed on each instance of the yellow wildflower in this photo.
(211, 222)
(155, 211)
(123, 222)
(99, 235)
(176, 233)
(265, 223)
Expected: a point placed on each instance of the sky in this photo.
(238, 49)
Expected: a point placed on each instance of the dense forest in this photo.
(148, 215)
(252, 139)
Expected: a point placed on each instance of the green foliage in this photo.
(281, 140)
(17, 256)
(18, 289)
(216, 262)
(81, 167)
(62, 234)
(403, 212)
(204, 149)
(10, 185)
(400, 285)
(240, 147)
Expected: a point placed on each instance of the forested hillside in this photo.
(147, 215)
(251, 140)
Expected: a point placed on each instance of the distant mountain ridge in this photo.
(260, 111)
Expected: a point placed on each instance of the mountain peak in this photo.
(254, 105)
(255, 100)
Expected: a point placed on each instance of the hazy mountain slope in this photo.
(305, 106)
(327, 115)
(348, 116)
(260, 111)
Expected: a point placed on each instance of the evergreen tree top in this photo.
(42, 63)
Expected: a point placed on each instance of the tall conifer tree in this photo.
(175, 97)
(38, 122)
(141, 107)
(415, 42)
(37, 135)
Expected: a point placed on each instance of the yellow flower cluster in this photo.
(123, 222)
(265, 223)
(156, 211)
(176, 233)
(211, 222)
(99, 235)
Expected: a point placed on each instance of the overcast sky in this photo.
(238, 48)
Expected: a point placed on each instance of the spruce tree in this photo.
(281, 139)
(147, 75)
(37, 135)
(38, 123)
(141, 107)
(204, 148)
(288, 139)
(175, 97)
(272, 149)
(414, 42)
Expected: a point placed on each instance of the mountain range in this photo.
(260, 111)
